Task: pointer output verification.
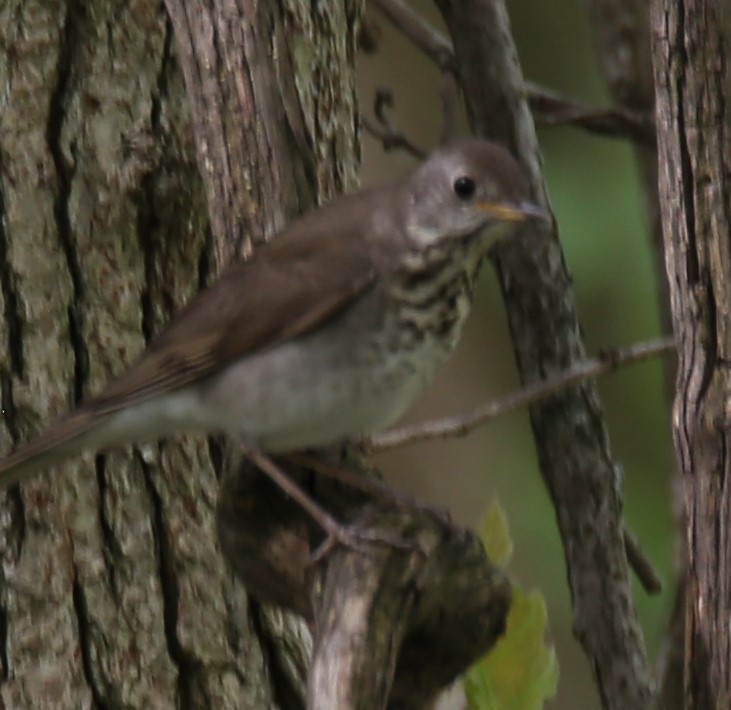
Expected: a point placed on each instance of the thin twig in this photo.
(425, 37)
(554, 109)
(462, 424)
(391, 140)
(550, 107)
(451, 100)
(384, 130)
(640, 563)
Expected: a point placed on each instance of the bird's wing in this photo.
(287, 289)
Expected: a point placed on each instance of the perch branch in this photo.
(396, 624)
(461, 424)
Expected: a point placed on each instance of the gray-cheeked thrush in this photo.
(327, 332)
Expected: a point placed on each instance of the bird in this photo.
(328, 332)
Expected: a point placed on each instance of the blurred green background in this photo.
(595, 192)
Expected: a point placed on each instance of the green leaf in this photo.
(495, 535)
(521, 671)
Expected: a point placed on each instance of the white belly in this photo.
(281, 403)
(288, 397)
(314, 391)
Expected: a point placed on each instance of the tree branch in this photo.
(392, 624)
(692, 71)
(550, 107)
(569, 428)
(384, 130)
(554, 109)
(622, 32)
(425, 37)
(462, 424)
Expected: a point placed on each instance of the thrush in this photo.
(328, 332)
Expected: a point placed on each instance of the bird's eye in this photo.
(464, 187)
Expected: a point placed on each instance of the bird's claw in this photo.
(355, 537)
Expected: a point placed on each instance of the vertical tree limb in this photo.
(569, 429)
(622, 29)
(693, 91)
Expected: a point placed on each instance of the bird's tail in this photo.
(65, 438)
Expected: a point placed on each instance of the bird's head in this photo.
(465, 188)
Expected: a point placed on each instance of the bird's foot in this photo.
(357, 536)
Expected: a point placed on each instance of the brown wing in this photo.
(285, 290)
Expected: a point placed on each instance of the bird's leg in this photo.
(350, 536)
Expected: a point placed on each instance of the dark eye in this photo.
(464, 187)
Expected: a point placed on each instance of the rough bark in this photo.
(113, 591)
(693, 87)
(423, 614)
(393, 624)
(622, 29)
(569, 429)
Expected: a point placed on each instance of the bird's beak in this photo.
(506, 212)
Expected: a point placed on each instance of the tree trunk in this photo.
(113, 590)
(622, 30)
(569, 428)
(693, 84)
